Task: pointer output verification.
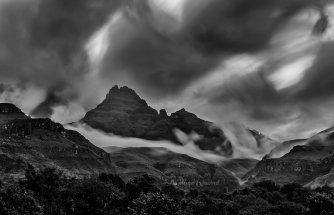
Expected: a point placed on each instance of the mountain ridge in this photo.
(124, 113)
(309, 162)
(44, 143)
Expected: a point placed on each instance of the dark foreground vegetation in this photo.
(48, 192)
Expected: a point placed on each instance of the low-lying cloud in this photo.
(243, 147)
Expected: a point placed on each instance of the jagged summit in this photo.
(124, 113)
(122, 91)
(163, 113)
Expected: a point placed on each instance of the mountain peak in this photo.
(121, 112)
(187, 116)
(122, 91)
(124, 113)
(183, 112)
(163, 113)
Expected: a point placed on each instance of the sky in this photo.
(258, 63)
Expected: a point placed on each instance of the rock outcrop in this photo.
(124, 113)
(178, 169)
(9, 112)
(44, 143)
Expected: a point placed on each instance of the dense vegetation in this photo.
(47, 191)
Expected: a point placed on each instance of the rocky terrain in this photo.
(311, 163)
(41, 142)
(164, 165)
(124, 113)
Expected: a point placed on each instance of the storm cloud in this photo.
(162, 61)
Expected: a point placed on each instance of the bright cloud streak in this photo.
(291, 74)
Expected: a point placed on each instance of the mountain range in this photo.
(44, 143)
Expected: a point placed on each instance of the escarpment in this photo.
(305, 164)
(44, 143)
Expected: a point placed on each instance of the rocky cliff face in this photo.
(164, 165)
(307, 164)
(44, 143)
(124, 113)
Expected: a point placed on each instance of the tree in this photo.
(46, 184)
(111, 178)
(320, 203)
(92, 197)
(17, 201)
(138, 185)
(155, 204)
(172, 191)
(268, 185)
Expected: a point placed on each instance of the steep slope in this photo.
(165, 165)
(124, 113)
(43, 143)
(310, 164)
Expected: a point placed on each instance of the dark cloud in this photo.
(65, 26)
(161, 64)
(239, 25)
(151, 60)
(296, 111)
(45, 109)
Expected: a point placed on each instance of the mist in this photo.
(241, 148)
